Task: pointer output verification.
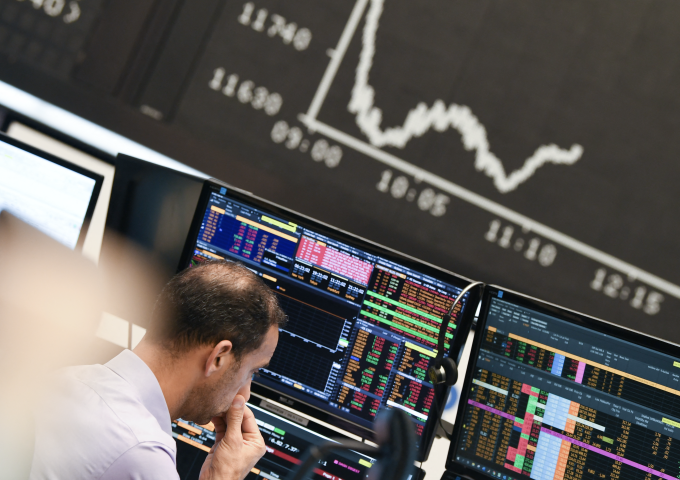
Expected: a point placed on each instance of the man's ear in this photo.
(219, 357)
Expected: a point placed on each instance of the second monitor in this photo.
(554, 394)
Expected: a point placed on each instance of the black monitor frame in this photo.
(576, 318)
(12, 116)
(99, 180)
(465, 321)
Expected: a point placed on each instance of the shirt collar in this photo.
(134, 371)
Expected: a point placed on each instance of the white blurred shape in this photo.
(83, 130)
(114, 329)
(50, 301)
(137, 335)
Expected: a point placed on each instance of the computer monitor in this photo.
(286, 444)
(554, 394)
(51, 194)
(363, 319)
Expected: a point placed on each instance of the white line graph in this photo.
(314, 125)
(439, 117)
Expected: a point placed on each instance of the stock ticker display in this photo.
(362, 329)
(553, 400)
(49, 35)
(525, 143)
(286, 445)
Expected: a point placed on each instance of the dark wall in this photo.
(150, 213)
(526, 143)
(153, 206)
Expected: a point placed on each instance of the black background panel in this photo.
(547, 162)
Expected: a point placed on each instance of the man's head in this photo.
(217, 323)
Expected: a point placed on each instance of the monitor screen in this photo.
(552, 394)
(286, 444)
(363, 320)
(48, 193)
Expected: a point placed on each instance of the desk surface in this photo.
(436, 463)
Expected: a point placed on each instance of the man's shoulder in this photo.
(97, 392)
(91, 416)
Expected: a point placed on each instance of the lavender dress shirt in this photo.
(105, 422)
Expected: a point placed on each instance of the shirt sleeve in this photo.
(144, 461)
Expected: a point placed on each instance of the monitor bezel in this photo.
(282, 397)
(568, 315)
(99, 180)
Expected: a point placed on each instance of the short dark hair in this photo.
(215, 301)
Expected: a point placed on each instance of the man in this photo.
(213, 327)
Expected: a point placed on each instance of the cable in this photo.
(447, 317)
(443, 371)
(440, 412)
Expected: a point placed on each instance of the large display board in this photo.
(526, 143)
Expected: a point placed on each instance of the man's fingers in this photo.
(241, 447)
(220, 424)
(249, 425)
(220, 428)
(234, 420)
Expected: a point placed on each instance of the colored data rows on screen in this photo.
(583, 371)
(543, 435)
(405, 307)
(371, 377)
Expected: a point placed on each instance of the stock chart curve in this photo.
(440, 117)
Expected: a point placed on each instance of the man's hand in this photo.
(238, 444)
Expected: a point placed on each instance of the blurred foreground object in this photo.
(50, 306)
(395, 453)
